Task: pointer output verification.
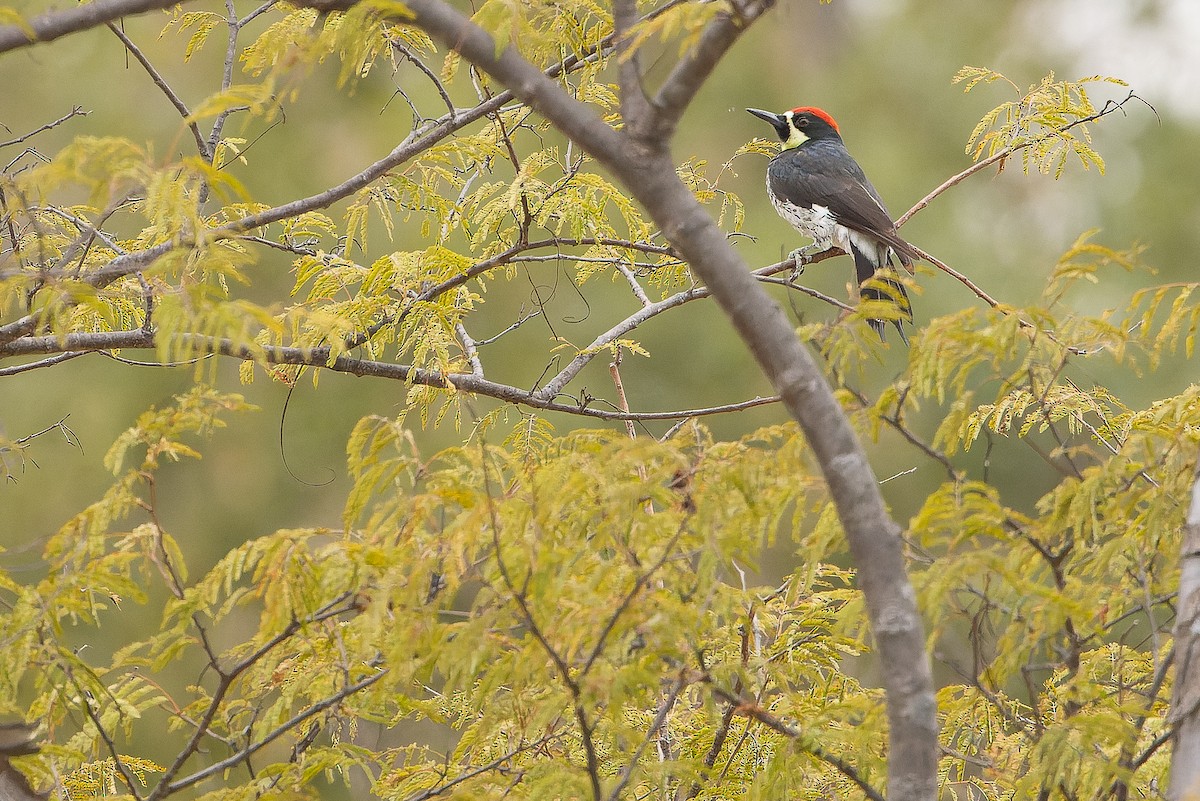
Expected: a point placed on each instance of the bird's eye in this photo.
(800, 122)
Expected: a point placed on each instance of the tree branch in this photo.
(161, 82)
(1185, 694)
(76, 111)
(694, 69)
(636, 112)
(80, 343)
(55, 24)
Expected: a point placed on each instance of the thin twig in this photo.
(76, 111)
(1000, 155)
(660, 718)
(614, 369)
(47, 362)
(163, 86)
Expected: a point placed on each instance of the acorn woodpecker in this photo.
(817, 186)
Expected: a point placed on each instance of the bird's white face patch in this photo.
(796, 137)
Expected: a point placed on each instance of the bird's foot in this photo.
(801, 257)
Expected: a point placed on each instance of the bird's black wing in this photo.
(824, 174)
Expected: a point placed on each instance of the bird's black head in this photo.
(800, 125)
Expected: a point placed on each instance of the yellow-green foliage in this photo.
(568, 608)
(101, 779)
(1047, 123)
(528, 599)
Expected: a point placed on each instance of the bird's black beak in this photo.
(778, 122)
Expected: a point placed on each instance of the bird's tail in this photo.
(875, 283)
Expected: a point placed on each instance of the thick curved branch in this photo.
(55, 24)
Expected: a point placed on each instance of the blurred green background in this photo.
(882, 68)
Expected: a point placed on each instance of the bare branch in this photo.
(614, 370)
(895, 421)
(76, 111)
(428, 73)
(231, 21)
(52, 25)
(522, 318)
(691, 71)
(653, 309)
(80, 343)
(265, 7)
(556, 384)
(47, 362)
(638, 292)
(995, 304)
(469, 349)
(166, 89)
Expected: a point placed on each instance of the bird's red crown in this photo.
(816, 112)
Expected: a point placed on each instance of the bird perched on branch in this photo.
(817, 186)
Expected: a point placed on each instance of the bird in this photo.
(817, 186)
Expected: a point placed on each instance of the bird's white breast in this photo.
(817, 222)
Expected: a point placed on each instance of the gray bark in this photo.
(1185, 694)
(54, 24)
